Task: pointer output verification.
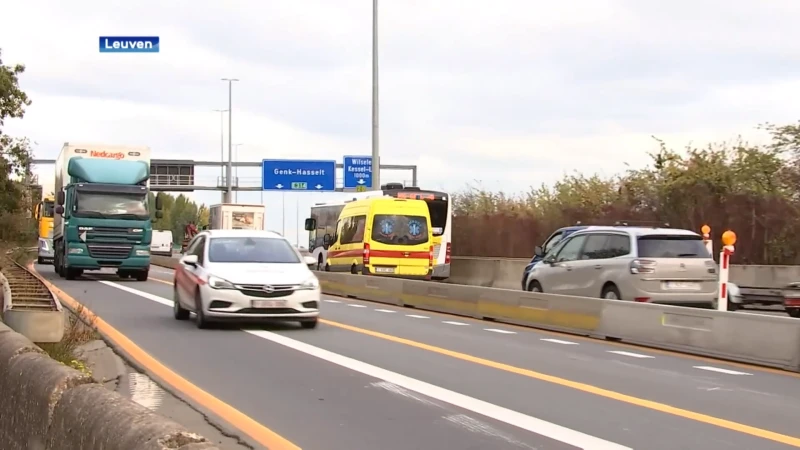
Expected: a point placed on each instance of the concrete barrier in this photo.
(757, 339)
(46, 405)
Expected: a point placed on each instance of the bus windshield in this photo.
(47, 209)
(437, 206)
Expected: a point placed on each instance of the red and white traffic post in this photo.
(728, 239)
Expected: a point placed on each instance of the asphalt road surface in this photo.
(380, 377)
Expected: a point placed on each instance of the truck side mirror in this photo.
(60, 199)
(311, 224)
(159, 204)
(159, 214)
(59, 210)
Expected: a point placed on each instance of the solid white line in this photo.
(417, 317)
(559, 341)
(492, 411)
(497, 330)
(455, 323)
(332, 301)
(717, 369)
(385, 310)
(632, 355)
(356, 305)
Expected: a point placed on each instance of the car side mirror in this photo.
(310, 260)
(310, 225)
(538, 251)
(59, 210)
(326, 240)
(189, 260)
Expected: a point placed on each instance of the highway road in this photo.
(380, 377)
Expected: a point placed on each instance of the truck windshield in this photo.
(47, 209)
(399, 230)
(107, 205)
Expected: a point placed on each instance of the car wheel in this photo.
(534, 286)
(200, 316)
(793, 312)
(611, 292)
(178, 311)
(309, 324)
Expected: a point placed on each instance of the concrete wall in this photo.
(507, 273)
(45, 405)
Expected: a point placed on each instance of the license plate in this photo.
(269, 303)
(384, 270)
(681, 286)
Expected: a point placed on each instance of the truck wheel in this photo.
(142, 276)
(40, 260)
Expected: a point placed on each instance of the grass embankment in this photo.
(79, 327)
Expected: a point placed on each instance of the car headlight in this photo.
(219, 283)
(311, 283)
(142, 252)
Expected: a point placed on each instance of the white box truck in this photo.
(231, 216)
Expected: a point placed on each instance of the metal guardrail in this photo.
(29, 307)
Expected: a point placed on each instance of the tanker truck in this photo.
(102, 215)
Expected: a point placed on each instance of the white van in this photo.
(161, 244)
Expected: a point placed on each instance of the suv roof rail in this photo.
(630, 223)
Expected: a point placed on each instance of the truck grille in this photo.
(109, 234)
(101, 251)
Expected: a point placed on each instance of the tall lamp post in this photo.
(236, 153)
(221, 141)
(376, 162)
(228, 174)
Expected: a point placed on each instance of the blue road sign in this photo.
(357, 172)
(298, 175)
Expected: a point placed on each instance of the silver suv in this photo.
(657, 265)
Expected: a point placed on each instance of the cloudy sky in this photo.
(509, 92)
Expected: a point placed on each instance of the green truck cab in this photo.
(102, 215)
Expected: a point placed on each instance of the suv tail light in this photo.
(430, 256)
(639, 266)
(447, 254)
(366, 254)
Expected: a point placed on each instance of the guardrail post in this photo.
(728, 239)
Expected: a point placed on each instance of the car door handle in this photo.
(568, 267)
(598, 266)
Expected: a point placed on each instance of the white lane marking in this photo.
(478, 427)
(455, 323)
(497, 330)
(559, 341)
(417, 317)
(632, 355)
(145, 391)
(486, 409)
(356, 305)
(717, 369)
(385, 310)
(399, 390)
(133, 291)
(332, 301)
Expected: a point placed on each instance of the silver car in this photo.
(656, 265)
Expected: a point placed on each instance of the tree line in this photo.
(753, 190)
(177, 213)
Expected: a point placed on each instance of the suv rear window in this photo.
(658, 246)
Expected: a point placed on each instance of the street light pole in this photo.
(221, 141)
(229, 192)
(376, 162)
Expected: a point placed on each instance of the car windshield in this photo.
(258, 250)
(672, 247)
(399, 229)
(108, 205)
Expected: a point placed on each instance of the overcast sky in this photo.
(508, 92)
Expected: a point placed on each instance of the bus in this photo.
(325, 215)
(44, 223)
